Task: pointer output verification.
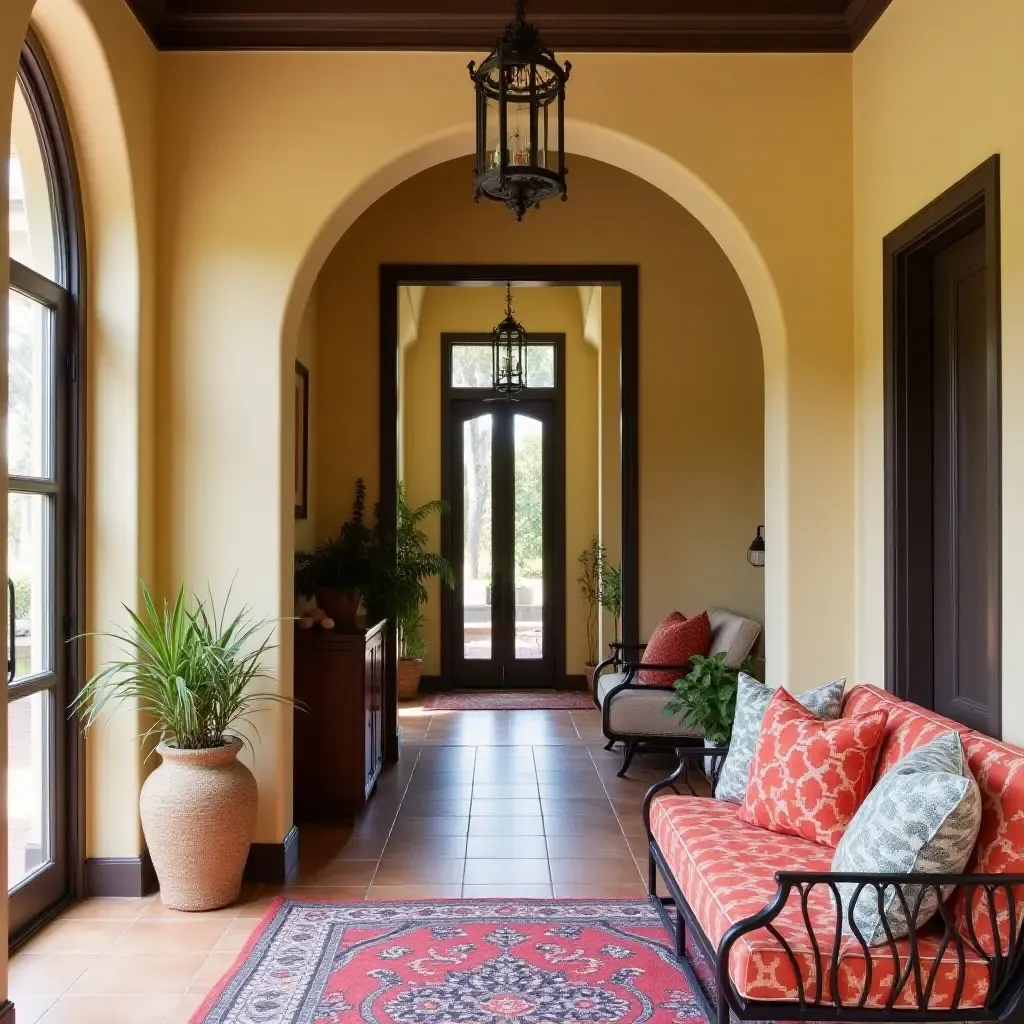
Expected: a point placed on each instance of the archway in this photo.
(692, 193)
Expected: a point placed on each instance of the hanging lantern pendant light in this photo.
(509, 352)
(520, 119)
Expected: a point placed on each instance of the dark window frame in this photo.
(66, 297)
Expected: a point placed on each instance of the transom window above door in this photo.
(472, 366)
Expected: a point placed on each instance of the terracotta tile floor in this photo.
(521, 803)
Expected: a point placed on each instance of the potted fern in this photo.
(189, 668)
(400, 590)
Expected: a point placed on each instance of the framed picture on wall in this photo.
(301, 440)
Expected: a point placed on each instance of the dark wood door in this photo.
(503, 630)
(966, 569)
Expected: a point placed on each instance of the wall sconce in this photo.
(755, 553)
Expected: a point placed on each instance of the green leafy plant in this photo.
(706, 696)
(591, 560)
(401, 562)
(611, 595)
(345, 562)
(412, 644)
(189, 668)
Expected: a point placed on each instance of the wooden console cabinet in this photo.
(339, 742)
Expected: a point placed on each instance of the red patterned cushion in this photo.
(809, 777)
(726, 870)
(999, 769)
(675, 641)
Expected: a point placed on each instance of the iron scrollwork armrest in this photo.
(682, 774)
(1006, 979)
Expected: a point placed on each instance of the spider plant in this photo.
(188, 667)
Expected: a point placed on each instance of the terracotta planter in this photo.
(340, 605)
(410, 670)
(588, 671)
(198, 814)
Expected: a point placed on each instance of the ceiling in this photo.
(623, 25)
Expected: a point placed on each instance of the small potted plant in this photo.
(189, 669)
(337, 571)
(706, 698)
(591, 561)
(412, 647)
(611, 595)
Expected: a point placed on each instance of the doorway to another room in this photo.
(531, 479)
(943, 459)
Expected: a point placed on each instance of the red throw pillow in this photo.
(809, 777)
(675, 641)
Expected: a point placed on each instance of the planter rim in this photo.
(223, 754)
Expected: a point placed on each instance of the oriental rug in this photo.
(455, 962)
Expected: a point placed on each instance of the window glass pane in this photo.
(30, 567)
(29, 723)
(30, 207)
(540, 366)
(29, 387)
(529, 539)
(476, 587)
(471, 366)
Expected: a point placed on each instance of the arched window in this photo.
(44, 584)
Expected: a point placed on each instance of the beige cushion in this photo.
(733, 634)
(640, 712)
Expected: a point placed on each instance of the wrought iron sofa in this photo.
(758, 910)
(633, 712)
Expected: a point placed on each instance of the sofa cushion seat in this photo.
(641, 711)
(726, 871)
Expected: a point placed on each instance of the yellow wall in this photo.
(937, 90)
(701, 378)
(477, 310)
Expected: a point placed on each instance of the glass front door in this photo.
(502, 482)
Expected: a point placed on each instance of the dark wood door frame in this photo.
(626, 277)
(554, 539)
(908, 253)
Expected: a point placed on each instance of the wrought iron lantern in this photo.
(509, 350)
(755, 553)
(520, 119)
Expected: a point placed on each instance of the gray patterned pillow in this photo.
(923, 815)
(752, 700)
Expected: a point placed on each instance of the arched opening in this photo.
(731, 236)
(348, 311)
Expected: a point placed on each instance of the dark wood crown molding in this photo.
(571, 25)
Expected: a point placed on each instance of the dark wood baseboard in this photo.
(120, 876)
(273, 862)
(7, 1012)
(573, 683)
(433, 684)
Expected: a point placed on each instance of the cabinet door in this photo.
(368, 746)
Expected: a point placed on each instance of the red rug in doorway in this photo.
(439, 962)
(524, 700)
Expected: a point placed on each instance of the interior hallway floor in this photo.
(482, 804)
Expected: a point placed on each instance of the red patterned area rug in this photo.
(524, 700)
(455, 962)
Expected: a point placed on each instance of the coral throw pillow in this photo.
(809, 777)
(675, 641)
